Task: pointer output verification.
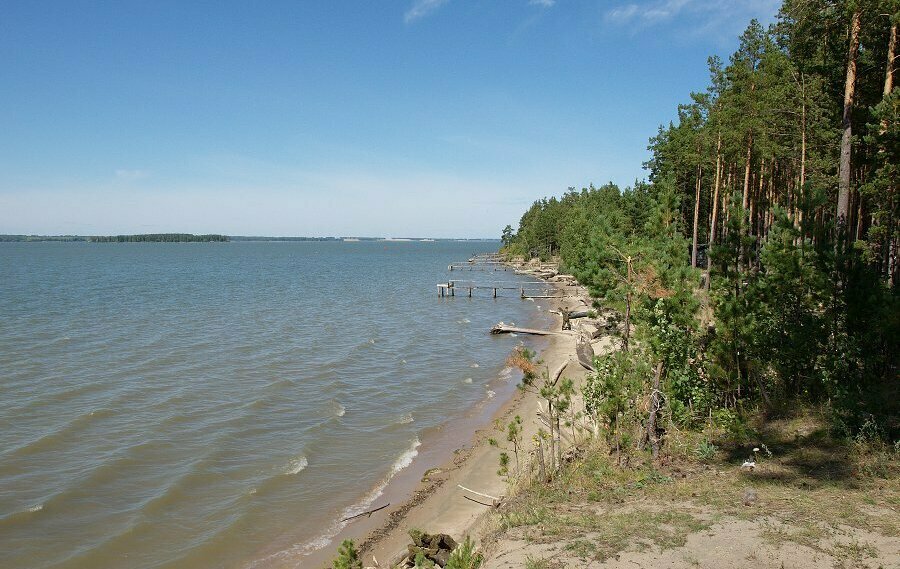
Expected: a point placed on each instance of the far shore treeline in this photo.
(758, 265)
(138, 238)
(191, 238)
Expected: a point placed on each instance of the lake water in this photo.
(214, 405)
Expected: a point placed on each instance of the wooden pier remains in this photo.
(525, 289)
(496, 290)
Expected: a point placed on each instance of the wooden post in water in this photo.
(495, 292)
(470, 292)
(522, 292)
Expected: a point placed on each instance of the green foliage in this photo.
(794, 309)
(465, 556)
(613, 392)
(706, 451)
(348, 556)
(422, 562)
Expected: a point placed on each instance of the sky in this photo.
(412, 118)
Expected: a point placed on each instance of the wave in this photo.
(13, 518)
(474, 366)
(506, 373)
(406, 419)
(491, 393)
(324, 540)
(339, 410)
(297, 465)
(49, 440)
(464, 321)
(406, 458)
(467, 380)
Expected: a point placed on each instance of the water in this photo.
(211, 405)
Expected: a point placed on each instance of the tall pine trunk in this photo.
(799, 197)
(888, 87)
(843, 205)
(696, 216)
(746, 201)
(889, 71)
(715, 203)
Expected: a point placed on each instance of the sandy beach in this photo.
(437, 504)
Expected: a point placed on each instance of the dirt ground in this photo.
(810, 502)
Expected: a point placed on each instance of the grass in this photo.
(541, 563)
(810, 491)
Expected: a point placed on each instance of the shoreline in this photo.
(431, 499)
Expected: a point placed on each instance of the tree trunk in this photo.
(843, 205)
(715, 204)
(627, 307)
(888, 87)
(655, 401)
(746, 200)
(552, 439)
(889, 72)
(696, 216)
(803, 133)
(798, 219)
(540, 450)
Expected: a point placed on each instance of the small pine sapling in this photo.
(348, 556)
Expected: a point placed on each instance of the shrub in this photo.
(464, 556)
(348, 556)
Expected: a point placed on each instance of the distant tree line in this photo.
(34, 238)
(263, 238)
(158, 238)
(786, 170)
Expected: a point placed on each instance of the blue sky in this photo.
(442, 118)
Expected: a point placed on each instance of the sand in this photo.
(437, 504)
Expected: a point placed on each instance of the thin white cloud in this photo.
(702, 16)
(622, 14)
(542, 3)
(647, 13)
(421, 8)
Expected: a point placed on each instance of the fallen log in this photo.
(502, 328)
(495, 501)
(367, 514)
(573, 314)
(584, 351)
(555, 377)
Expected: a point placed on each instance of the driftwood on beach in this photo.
(502, 328)
(585, 351)
(367, 514)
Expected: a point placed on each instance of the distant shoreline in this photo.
(213, 238)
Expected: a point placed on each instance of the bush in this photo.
(464, 556)
(348, 556)
(706, 451)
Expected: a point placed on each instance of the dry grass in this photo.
(812, 490)
(520, 359)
